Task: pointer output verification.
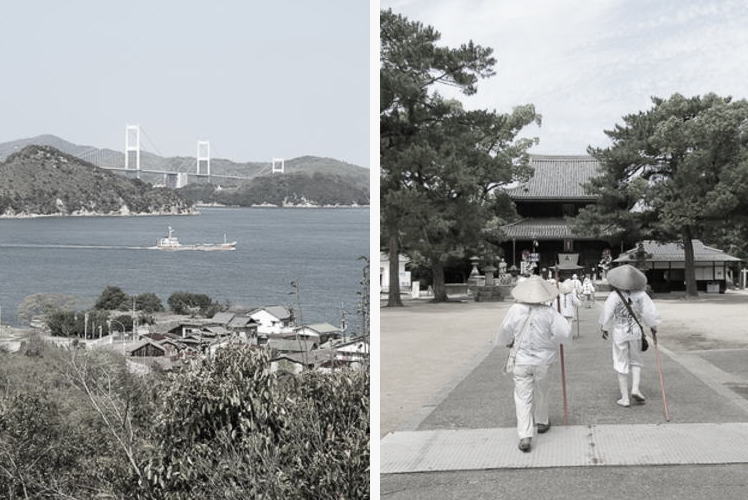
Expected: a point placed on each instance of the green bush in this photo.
(73, 323)
(229, 426)
(42, 304)
(224, 427)
(112, 298)
(148, 303)
(122, 321)
(187, 303)
(53, 444)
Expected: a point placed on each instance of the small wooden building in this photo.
(664, 264)
(145, 348)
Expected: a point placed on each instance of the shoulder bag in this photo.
(645, 344)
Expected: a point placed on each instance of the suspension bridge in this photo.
(178, 176)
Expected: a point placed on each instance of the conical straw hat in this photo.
(627, 277)
(534, 290)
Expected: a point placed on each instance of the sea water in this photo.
(319, 248)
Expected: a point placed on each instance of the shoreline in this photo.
(270, 205)
(162, 214)
(114, 214)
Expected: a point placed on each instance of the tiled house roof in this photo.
(673, 252)
(557, 178)
(292, 345)
(280, 312)
(541, 229)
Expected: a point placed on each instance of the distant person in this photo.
(533, 331)
(577, 285)
(588, 290)
(629, 309)
(569, 301)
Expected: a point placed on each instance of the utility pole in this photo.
(133, 318)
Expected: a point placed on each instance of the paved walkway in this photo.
(472, 427)
(420, 336)
(566, 446)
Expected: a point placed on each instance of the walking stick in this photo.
(662, 380)
(578, 320)
(563, 364)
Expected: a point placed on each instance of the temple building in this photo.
(543, 237)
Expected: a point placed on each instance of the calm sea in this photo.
(319, 248)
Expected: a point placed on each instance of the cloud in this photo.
(585, 64)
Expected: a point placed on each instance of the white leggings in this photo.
(626, 355)
(530, 397)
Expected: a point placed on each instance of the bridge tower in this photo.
(132, 145)
(203, 158)
(279, 166)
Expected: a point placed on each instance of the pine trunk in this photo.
(440, 289)
(690, 269)
(393, 295)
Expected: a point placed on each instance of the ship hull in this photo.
(204, 248)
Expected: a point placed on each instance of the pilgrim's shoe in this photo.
(524, 444)
(638, 397)
(543, 428)
(623, 402)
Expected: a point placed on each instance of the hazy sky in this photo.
(586, 63)
(259, 79)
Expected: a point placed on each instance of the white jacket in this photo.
(615, 315)
(546, 330)
(569, 303)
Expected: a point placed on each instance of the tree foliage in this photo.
(53, 443)
(677, 171)
(191, 303)
(230, 426)
(42, 304)
(113, 298)
(77, 424)
(441, 163)
(73, 323)
(148, 303)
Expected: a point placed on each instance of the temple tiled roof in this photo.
(673, 252)
(557, 178)
(542, 229)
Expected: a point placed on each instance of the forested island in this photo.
(295, 189)
(44, 181)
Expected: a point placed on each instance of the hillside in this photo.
(295, 189)
(42, 180)
(219, 166)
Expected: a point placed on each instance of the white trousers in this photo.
(530, 397)
(626, 355)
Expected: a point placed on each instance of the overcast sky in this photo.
(258, 79)
(586, 63)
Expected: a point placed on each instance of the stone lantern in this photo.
(489, 273)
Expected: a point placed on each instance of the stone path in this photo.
(566, 446)
(472, 428)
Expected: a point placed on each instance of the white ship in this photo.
(172, 243)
